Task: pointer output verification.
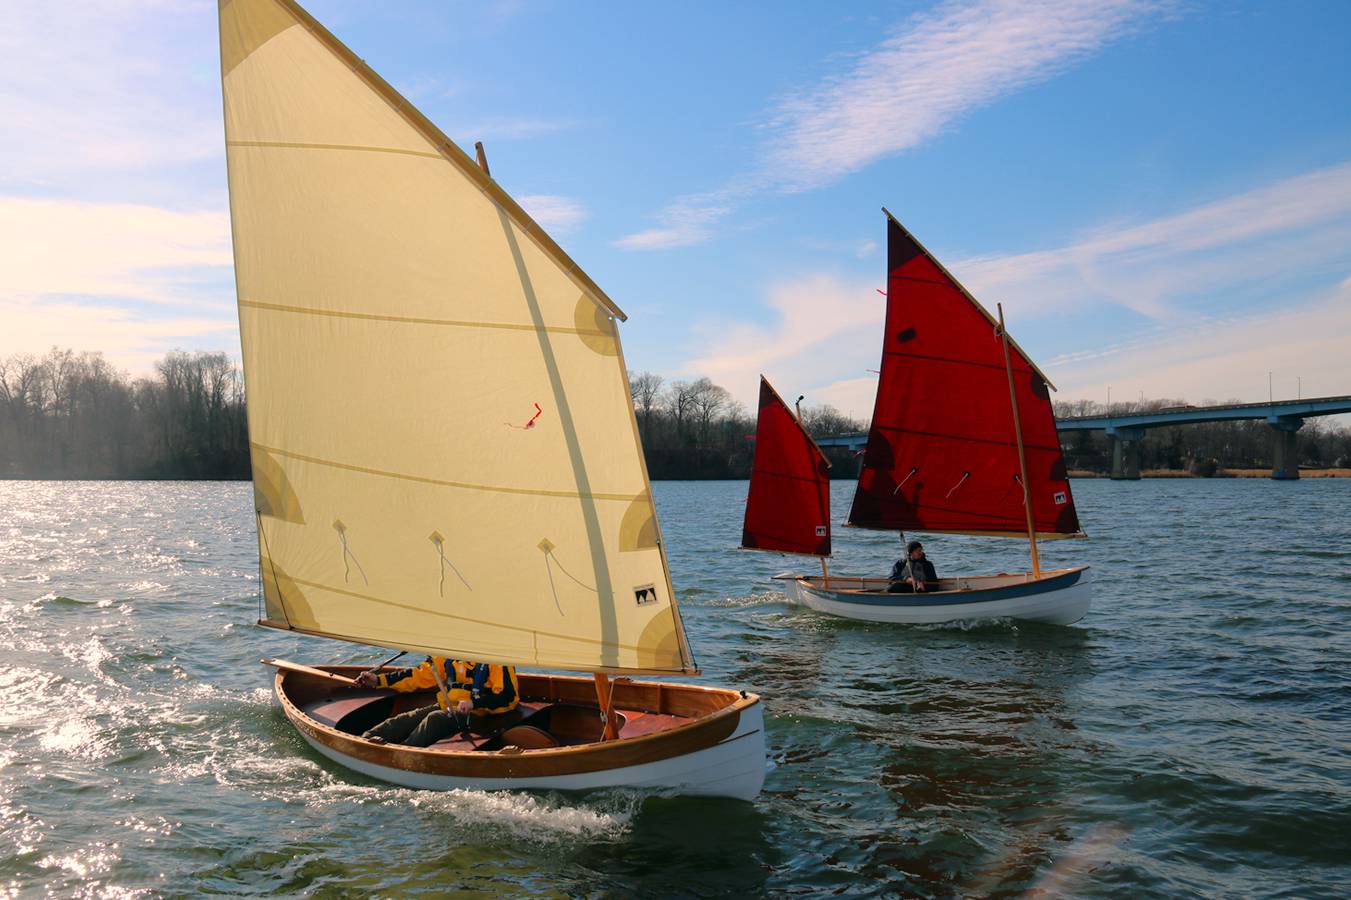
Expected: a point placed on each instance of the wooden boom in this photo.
(308, 670)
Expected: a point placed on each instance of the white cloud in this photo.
(822, 324)
(556, 214)
(66, 247)
(127, 337)
(937, 67)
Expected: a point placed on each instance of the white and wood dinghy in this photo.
(963, 440)
(445, 455)
(670, 737)
(1056, 597)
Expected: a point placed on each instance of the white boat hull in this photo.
(1060, 597)
(733, 768)
(676, 738)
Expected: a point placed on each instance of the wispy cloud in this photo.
(935, 68)
(510, 129)
(124, 334)
(101, 86)
(820, 324)
(69, 247)
(1303, 345)
(938, 67)
(686, 222)
(126, 279)
(557, 214)
(1280, 248)
(1296, 226)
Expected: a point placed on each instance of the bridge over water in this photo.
(1126, 430)
(1285, 417)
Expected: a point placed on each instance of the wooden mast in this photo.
(604, 696)
(825, 573)
(1022, 457)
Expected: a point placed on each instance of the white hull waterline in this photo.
(1059, 597)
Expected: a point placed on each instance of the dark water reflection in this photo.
(1191, 737)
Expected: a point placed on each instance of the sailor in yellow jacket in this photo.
(467, 695)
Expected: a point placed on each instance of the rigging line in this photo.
(346, 570)
(570, 575)
(441, 548)
(553, 588)
(281, 601)
(913, 470)
(960, 482)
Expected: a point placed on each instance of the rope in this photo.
(904, 480)
(962, 480)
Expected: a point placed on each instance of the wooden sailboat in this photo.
(445, 454)
(963, 441)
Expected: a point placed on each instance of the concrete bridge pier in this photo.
(1125, 452)
(1285, 447)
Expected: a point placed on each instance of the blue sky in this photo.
(1159, 191)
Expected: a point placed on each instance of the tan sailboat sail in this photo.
(445, 456)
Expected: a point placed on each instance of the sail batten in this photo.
(445, 454)
(788, 504)
(942, 453)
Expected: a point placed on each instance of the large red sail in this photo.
(942, 455)
(789, 504)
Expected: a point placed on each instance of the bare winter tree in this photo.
(646, 392)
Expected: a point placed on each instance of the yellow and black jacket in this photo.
(491, 688)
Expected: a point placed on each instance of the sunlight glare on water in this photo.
(1189, 737)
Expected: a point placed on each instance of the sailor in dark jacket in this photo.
(914, 573)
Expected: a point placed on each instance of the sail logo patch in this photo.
(1060, 498)
(820, 531)
(645, 595)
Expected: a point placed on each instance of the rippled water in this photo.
(1191, 736)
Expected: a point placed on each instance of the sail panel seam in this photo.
(415, 320)
(445, 615)
(296, 145)
(464, 485)
(961, 437)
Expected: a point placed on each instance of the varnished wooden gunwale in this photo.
(715, 714)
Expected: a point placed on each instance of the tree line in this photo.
(73, 415)
(693, 428)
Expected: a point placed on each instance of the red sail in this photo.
(789, 504)
(941, 453)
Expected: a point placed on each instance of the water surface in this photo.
(1189, 737)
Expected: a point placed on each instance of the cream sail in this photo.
(445, 456)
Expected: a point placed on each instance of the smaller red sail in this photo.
(788, 509)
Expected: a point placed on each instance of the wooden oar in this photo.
(307, 670)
